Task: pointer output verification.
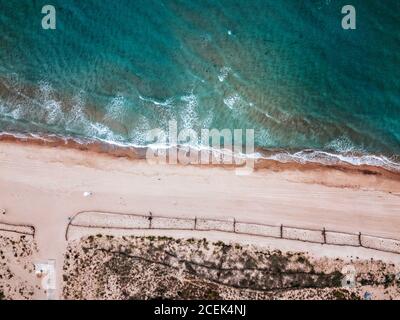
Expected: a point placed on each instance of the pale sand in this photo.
(44, 186)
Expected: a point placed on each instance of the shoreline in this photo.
(278, 160)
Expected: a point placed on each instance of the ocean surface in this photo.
(112, 70)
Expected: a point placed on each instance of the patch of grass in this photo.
(389, 279)
(301, 259)
(339, 294)
(219, 244)
(212, 295)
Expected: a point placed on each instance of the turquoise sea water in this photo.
(114, 69)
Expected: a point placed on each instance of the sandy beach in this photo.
(44, 186)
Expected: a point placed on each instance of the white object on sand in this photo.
(46, 272)
(87, 194)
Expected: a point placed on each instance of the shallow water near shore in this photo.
(112, 71)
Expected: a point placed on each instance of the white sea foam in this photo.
(207, 121)
(343, 145)
(54, 111)
(76, 118)
(223, 73)
(189, 116)
(103, 132)
(238, 105)
(116, 109)
(304, 156)
(232, 100)
(48, 108)
(166, 103)
(327, 158)
(137, 136)
(17, 113)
